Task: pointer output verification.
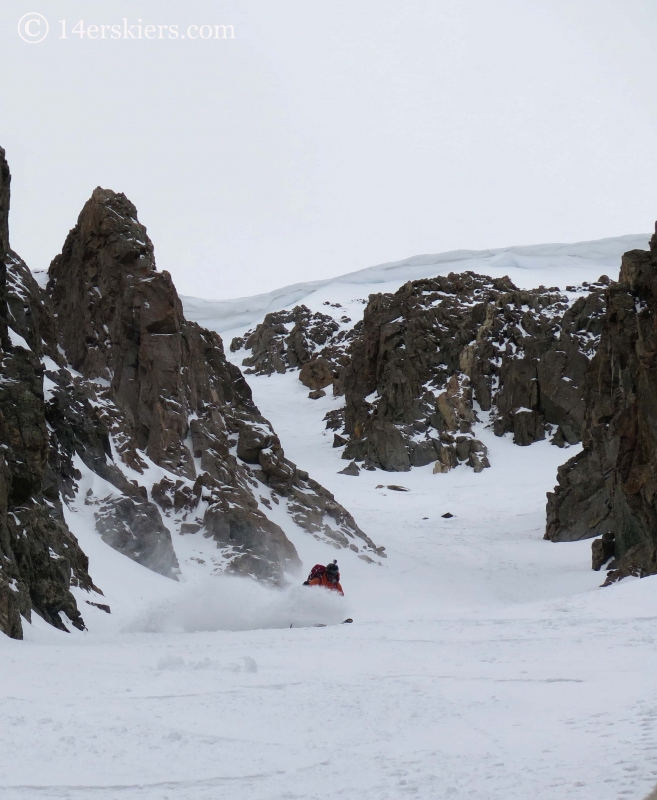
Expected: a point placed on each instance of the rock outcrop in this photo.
(610, 487)
(432, 352)
(167, 396)
(5, 181)
(39, 557)
(317, 374)
(422, 360)
(313, 342)
(114, 404)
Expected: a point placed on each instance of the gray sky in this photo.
(333, 134)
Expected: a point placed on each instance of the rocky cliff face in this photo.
(103, 378)
(39, 557)
(610, 487)
(438, 349)
(169, 398)
(423, 360)
(5, 181)
(287, 340)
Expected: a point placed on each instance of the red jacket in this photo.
(326, 583)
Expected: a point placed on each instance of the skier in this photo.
(328, 577)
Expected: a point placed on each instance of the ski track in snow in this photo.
(484, 662)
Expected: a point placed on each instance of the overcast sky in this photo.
(330, 135)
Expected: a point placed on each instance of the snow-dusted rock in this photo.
(611, 485)
(106, 385)
(39, 557)
(437, 349)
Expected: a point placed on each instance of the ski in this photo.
(324, 625)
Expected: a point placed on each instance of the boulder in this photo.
(602, 550)
(350, 469)
(356, 450)
(386, 447)
(423, 453)
(251, 440)
(316, 374)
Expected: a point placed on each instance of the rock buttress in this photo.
(40, 559)
(611, 486)
(427, 353)
(167, 396)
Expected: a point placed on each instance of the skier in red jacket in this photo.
(328, 577)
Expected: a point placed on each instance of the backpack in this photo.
(317, 571)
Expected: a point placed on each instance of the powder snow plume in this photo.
(231, 603)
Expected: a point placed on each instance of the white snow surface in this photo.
(483, 662)
(16, 339)
(527, 266)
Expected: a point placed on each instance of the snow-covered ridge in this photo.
(527, 266)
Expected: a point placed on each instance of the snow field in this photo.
(484, 663)
(527, 266)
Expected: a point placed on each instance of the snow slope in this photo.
(484, 663)
(528, 267)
